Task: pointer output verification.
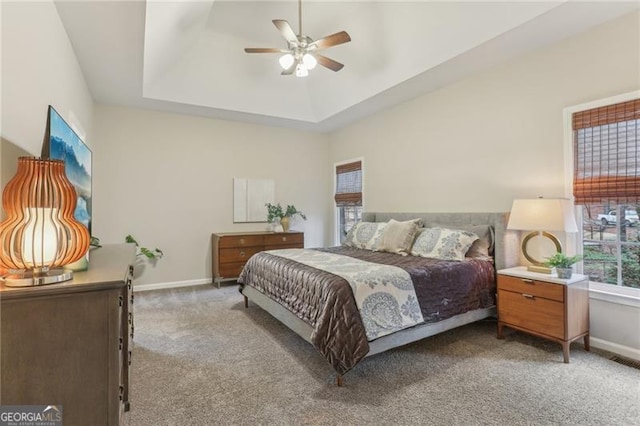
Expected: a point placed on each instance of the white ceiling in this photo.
(188, 57)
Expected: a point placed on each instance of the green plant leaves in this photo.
(154, 254)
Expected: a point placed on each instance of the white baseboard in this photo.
(172, 284)
(615, 348)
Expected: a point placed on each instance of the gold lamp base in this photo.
(539, 269)
(537, 264)
(31, 278)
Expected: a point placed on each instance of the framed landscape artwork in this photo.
(62, 143)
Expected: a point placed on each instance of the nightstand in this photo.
(544, 305)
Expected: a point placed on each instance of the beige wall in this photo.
(167, 179)
(39, 68)
(478, 144)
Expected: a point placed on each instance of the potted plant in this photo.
(153, 255)
(275, 213)
(563, 264)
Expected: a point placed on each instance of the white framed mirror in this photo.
(250, 197)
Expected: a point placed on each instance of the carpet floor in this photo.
(201, 358)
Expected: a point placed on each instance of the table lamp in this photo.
(540, 216)
(40, 233)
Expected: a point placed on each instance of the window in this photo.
(348, 197)
(606, 183)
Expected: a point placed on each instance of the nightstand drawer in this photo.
(532, 313)
(232, 255)
(241, 241)
(284, 239)
(532, 287)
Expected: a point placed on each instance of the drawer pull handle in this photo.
(284, 238)
(528, 296)
(527, 281)
(241, 254)
(241, 240)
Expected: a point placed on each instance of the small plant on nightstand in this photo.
(563, 264)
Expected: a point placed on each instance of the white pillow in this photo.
(443, 243)
(365, 235)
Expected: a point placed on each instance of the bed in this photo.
(353, 302)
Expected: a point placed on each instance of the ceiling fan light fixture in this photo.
(286, 61)
(301, 70)
(301, 55)
(309, 61)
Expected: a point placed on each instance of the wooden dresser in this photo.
(544, 305)
(232, 250)
(70, 343)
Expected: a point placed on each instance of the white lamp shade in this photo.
(309, 61)
(40, 242)
(542, 214)
(286, 61)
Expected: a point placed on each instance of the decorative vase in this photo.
(285, 224)
(564, 273)
(79, 265)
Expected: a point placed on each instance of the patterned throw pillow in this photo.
(398, 236)
(482, 247)
(365, 235)
(442, 243)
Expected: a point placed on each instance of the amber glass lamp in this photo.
(40, 234)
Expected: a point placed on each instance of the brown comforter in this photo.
(325, 301)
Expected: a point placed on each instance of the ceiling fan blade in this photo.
(329, 63)
(332, 40)
(286, 30)
(263, 50)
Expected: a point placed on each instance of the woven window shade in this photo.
(349, 184)
(606, 145)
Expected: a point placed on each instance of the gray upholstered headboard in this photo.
(506, 242)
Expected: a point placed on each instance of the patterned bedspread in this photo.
(384, 294)
(338, 293)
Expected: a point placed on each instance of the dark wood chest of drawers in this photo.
(70, 343)
(232, 250)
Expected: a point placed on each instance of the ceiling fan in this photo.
(302, 54)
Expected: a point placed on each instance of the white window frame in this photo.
(336, 213)
(611, 292)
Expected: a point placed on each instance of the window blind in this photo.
(606, 150)
(349, 184)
